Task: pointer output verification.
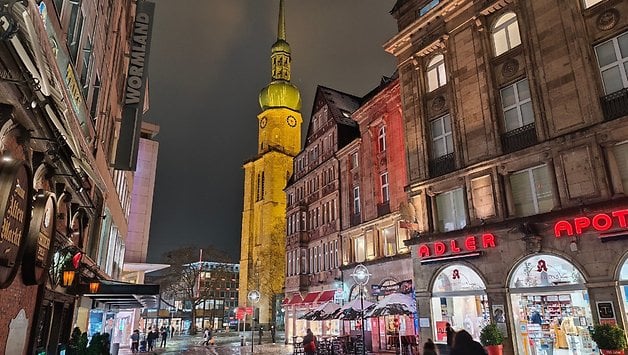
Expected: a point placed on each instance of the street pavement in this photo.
(226, 344)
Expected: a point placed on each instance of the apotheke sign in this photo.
(601, 222)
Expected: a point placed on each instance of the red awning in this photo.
(285, 301)
(327, 295)
(296, 299)
(311, 297)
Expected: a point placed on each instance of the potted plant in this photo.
(492, 339)
(610, 339)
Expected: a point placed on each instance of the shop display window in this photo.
(623, 284)
(550, 307)
(460, 300)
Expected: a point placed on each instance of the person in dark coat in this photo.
(309, 343)
(150, 338)
(465, 345)
(261, 334)
(450, 334)
(429, 348)
(272, 333)
(164, 335)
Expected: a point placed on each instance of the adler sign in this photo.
(601, 222)
(468, 246)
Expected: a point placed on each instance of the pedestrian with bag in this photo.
(309, 343)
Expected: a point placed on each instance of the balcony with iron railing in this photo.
(383, 208)
(615, 105)
(442, 165)
(519, 138)
(355, 219)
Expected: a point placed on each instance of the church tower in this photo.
(263, 241)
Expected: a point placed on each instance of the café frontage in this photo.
(543, 282)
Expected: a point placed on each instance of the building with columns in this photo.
(516, 135)
(265, 176)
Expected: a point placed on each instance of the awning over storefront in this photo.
(122, 295)
(296, 299)
(326, 295)
(311, 297)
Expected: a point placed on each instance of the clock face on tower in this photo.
(262, 122)
(291, 121)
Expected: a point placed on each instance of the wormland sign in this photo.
(135, 88)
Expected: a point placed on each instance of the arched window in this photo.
(545, 270)
(506, 33)
(457, 278)
(436, 75)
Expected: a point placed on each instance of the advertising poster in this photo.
(441, 331)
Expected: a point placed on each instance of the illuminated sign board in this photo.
(601, 222)
(456, 248)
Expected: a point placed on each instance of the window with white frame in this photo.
(390, 241)
(517, 105)
(356, 200)
(612, 59)
(589, 3)
(531, 191)
(381, 140)
(620, 151)
(451, 210)
(336, 262)
(506, 33)
(316, 267)
(355, 160)
(384, 183)
(442, 141)
(359, 249)
(436, 75)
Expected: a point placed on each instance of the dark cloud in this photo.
(209, 60)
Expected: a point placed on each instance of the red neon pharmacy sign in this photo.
(453, 247)
(601, 222)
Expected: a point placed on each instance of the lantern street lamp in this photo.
(361, 277)
(68, 278)
(254, 297)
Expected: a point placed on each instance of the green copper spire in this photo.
(280, 92)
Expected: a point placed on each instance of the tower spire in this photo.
(281, 30)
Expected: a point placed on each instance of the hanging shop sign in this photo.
(601, 222)
(15, 205)
(456, 248)
(37, 255)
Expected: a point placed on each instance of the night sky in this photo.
(208, 62)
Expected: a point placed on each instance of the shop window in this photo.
(460, 300)
(505, 33)
(532, 191)
(442, 141)
(436, 74)
(390, 241)
(451, 210)
(404, 235)
(612, 58)
(550, 305)
(517, 105)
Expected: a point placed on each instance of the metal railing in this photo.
(442, 165)
(615, 105)
(383, 208)
(519, 138)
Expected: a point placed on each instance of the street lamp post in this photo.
(361, 277)
(253, 298)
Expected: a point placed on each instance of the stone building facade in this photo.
(516, 139)
(61, 92)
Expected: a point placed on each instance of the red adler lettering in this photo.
(439, 248)
(469, 243)
(424, 251)
(488, 241)
(454, 247)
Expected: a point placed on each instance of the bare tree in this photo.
(186, 279)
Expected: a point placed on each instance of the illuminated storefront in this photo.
(458, 298)
(623, 288)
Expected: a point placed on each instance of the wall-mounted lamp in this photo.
(573, 245)
(68, 278)
(94, 286)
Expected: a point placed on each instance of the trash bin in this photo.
(115, 348)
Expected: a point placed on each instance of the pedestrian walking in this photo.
(150, 338)
(261, 334)
(135, 341)
(309, 343)
(465, 345)
(171, 331)
(272, 333)
(207, 336)
(429, 348)
(164, 335)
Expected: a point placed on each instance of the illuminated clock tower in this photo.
(262, 255)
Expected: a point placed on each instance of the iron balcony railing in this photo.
(442, 165)
(615, 105)
(519, 138)
(355, 219)
(383, 208)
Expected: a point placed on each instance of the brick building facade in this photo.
(515, 131)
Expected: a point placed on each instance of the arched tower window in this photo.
(505, 33)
